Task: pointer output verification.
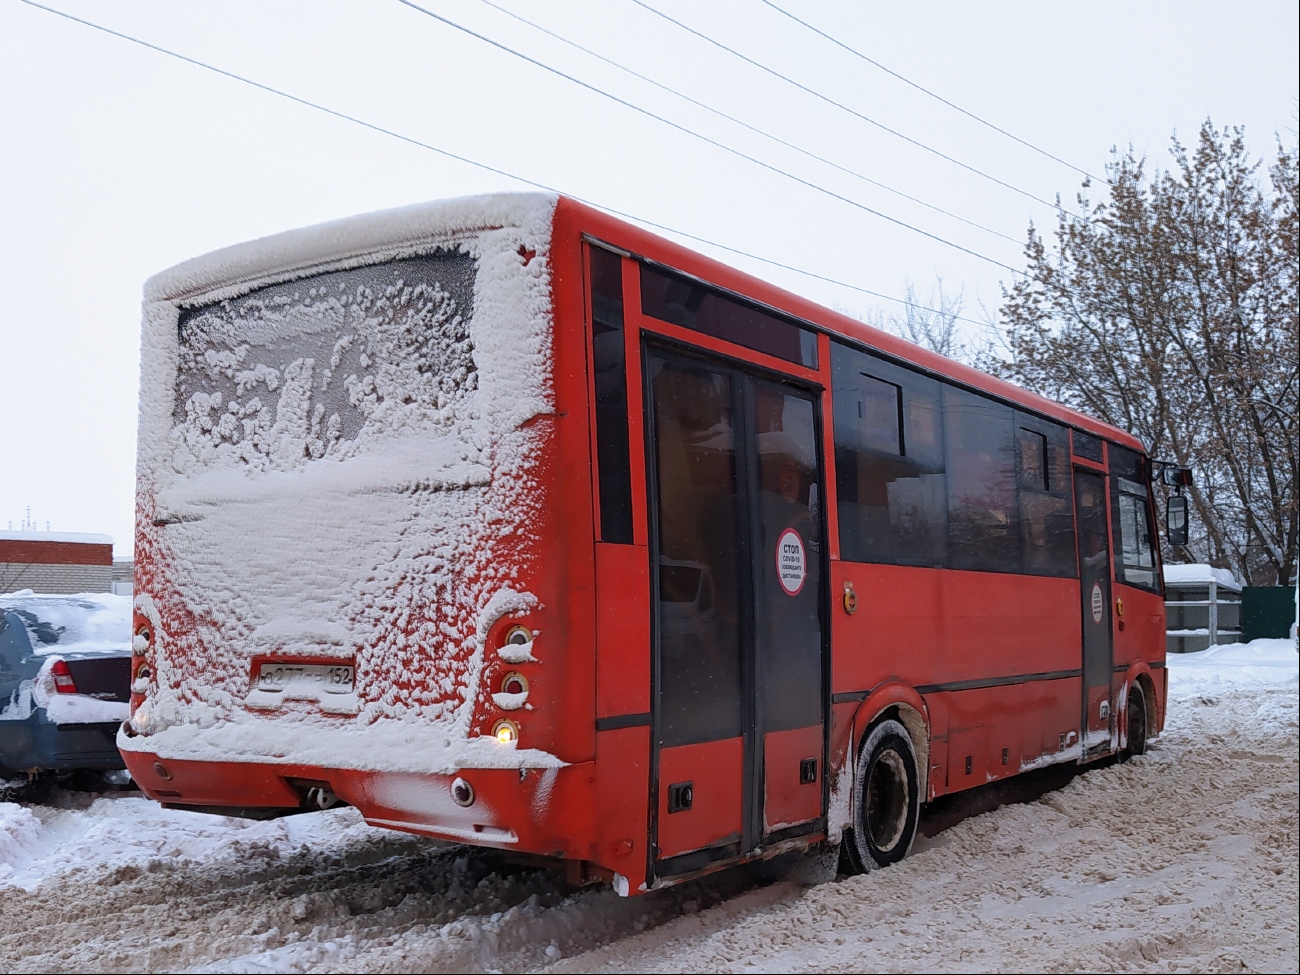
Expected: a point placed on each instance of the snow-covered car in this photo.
(65, 676)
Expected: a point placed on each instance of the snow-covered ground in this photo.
(1182, 860)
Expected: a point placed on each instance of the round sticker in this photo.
(1097, 604)
(791, 562)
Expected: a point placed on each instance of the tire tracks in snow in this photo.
(1185, 858)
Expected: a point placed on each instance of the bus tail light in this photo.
(143, 639)
(514, 692)
(505, 731)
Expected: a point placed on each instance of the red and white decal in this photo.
(791, 562)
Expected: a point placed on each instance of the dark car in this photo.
(65, 683)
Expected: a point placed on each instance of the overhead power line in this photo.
(752, 128)
(704, 138)
(269, 89)
(845, 108)
(921, 88)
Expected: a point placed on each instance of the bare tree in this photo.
(1170, 309)
(930, 321)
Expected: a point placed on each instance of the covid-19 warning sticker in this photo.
(791, 562)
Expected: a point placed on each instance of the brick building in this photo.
(55, 562)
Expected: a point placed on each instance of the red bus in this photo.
(509, 523)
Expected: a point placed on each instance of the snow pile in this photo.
(342, 468)
(1260, 663)
(40, 844)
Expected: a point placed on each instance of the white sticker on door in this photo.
(1098, 604)
(791, 562)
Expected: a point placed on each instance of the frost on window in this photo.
(295, 372)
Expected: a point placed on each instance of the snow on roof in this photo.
(1198, 573)
(83, 538)
(380, 235)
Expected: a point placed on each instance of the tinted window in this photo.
(788, 639)
(1046, 510)
(1087, 446)
(699, 592)
(681, 301)
(610, 372)
(1131, 516)
(889, 461)
(983, 511)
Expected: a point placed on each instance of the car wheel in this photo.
(886, 800)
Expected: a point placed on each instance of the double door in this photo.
(739, 689)
(1094, 587)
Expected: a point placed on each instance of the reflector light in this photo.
(514, 683)
(518, 636)
(505, 731)
(62, 674)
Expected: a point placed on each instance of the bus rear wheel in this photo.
(1137, 721)
(886, 800)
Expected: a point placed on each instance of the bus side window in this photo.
(889, 462)
(1046, 506)
(983, 512)
(1134, 539)
(609, 365)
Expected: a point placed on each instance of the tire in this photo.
(1136, 721)
(886, 800)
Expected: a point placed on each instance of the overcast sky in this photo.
(117, 161)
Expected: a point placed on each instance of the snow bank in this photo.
(1260, 663)
(41, 843)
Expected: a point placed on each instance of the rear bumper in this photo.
(529, 810)
(38, 744)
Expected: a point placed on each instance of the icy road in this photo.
(1182, 860)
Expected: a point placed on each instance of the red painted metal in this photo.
(978, 665)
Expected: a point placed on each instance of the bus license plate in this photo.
(308, 679)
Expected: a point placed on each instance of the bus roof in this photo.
(642, 243)
(402, 230)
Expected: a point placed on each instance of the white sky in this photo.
(117, 161)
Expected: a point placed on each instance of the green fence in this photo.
(1267, 612)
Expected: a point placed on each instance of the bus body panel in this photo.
(983, 668)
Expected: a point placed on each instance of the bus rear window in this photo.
(293, 372)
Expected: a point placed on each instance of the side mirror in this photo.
(1176, 519)
(1179, 477)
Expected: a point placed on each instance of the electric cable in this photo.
(713, 142)
(752, 128)
(937, 97)
(269, 89)
(840, 105)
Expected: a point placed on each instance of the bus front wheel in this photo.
(886, 800)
